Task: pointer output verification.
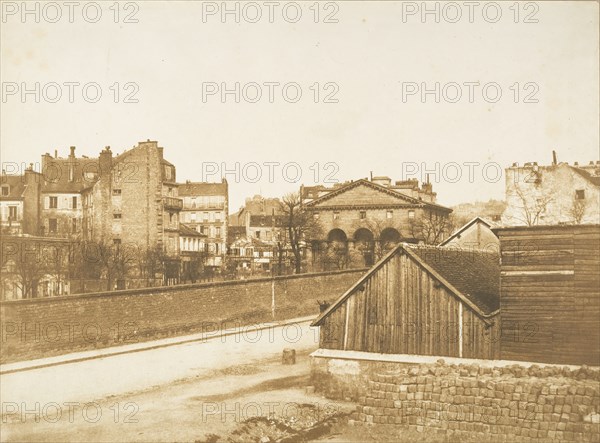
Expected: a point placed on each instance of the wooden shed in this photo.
(420, 300)
(550, 294)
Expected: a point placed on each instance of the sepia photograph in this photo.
(299, 221)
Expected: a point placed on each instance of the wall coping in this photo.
(429, 359)
(175, 288)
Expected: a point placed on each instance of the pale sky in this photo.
(371, 53)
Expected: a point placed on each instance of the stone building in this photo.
(260, 229)
(192, 249)
(134, 200)
(366, 218)
(205, 209)
(556, 194)
(20, 203)
(476, 234)
(62, 188)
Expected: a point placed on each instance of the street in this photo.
(129, 394)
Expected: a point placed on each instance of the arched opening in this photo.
(337, 235)
(388, 239)
(390, 236)
(364, 241)
(336, 252)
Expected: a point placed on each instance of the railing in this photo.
(173, 203)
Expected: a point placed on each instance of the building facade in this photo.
(367, 217)
(476, 234)
(134, 200)
(205, 209)
(556, 194)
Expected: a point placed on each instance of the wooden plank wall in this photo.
(402, 309)
(546, 317)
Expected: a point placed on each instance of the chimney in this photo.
(71, 164)
(554, 161)
(160, 152)
(56, 153)
(105, 160)
(30, 176)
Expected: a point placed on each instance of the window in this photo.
(171, 217)
(53, 202)
(389, 214)
(217, 216)
(168, 172)
(336, 215)
(5, 190)
(169, 191)
(73, 225)
(316, 215)
(117, 216)
(269, 235)
(580, 194)
(257, 234)
(205, 215)
(362, 215)
(194, 202)
(203, 230)
(74, 202)
(12, 212)
(116, 192)
(218, 231)
(411, 214)
(52, 225)
(193, 216)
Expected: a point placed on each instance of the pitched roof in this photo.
(472, 276)
(202, 188)
(57, 177)
(593, 179)
(390, 191)
(465, 227)
(187, 231)
(16, 186)
(475, 273)
(267, 220)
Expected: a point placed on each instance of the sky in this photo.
(513, 84)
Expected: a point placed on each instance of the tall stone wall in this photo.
(35, 328)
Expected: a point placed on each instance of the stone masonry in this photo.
(511, 403)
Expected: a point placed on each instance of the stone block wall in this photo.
(511, 403)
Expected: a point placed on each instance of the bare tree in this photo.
(578, 208)
(336, 256)
(115, 260)
(532, 205)
(432, 228)
(300, 226)
(194, 267)
(151, 262)
(29, 268)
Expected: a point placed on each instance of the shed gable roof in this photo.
(466, 226)
(472, 276)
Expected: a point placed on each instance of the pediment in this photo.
(362, 194)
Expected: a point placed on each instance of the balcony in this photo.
(173, 203)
